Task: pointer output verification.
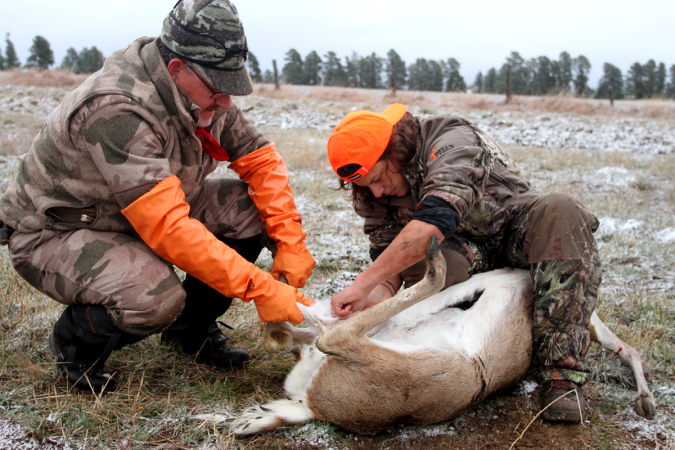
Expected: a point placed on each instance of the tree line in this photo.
(536, 76)
(41, 56)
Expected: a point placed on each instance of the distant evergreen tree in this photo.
(531, 67)
(333, 71)
(611, 79)
(11, 60)
(490, 81)
(69, 61)
(352, 70)
(435, 75)
(581, 66)
(370, 71)
(649, 78)
(660, 90)
(254, 68)
(2, 60)
(395, 70)
(268, 76)
(477, 86)
(670, 89)
(41, 54)
(454, 80)
(418, 75)
(311, 69)
(565, 73)
(89, 60)
(292, 70)
(544, 80)
(635, 85)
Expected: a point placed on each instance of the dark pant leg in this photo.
(555, 235)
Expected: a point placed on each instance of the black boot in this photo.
(82, 340)
(196, 330)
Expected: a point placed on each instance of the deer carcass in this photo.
(416, 358)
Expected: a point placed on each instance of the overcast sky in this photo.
(479, 33)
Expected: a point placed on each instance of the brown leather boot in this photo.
(570, 408)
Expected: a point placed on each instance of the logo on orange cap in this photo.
(361, 138)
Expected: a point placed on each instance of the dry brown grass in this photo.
(45, 78)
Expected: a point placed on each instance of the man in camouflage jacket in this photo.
(114, 192)
(459, 185)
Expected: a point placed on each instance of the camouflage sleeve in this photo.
(122, 139)
(236, 134)
(454, 173)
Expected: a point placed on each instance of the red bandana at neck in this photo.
(211, 146)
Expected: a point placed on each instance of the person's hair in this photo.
(400, 150)
(166, 54)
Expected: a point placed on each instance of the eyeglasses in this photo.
(208, 85)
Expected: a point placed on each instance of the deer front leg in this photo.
(645, 405)
(343, 337)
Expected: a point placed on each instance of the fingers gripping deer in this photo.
(414, 358)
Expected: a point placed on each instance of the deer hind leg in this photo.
(645, 405)
(283, 337)
(272, 415)
(341, 340)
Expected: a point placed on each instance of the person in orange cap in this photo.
(413, 177)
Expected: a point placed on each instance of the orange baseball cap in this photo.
(361, 138)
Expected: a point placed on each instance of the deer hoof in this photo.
(645, 405)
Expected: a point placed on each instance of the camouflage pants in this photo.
(553, 237)
(140, 290)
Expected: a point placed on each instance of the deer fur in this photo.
(414, 358)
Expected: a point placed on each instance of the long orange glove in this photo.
(161, 219)
(267, 177)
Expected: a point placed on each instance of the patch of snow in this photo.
(526, 388)
(632, 228)
(666, 235)
(609, 179)
(15, 436)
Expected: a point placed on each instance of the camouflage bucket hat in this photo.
(209, 34)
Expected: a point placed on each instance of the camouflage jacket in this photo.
(459, 163)
(125, 129)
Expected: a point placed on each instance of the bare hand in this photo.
(342, 307)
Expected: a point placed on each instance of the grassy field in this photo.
(160, 389)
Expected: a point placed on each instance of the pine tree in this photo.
(268, 76)
(311, 69)
(660, 81)
(478, 83)
(11, 60)
(649, 78)
(352, 70)
(254, 68)
(395, 70)
(490, 81)
(610, 83)
(333, 71)
(370, 71)
(70, 60)
(41, 54)
(581, 66)
(635, 85)
(565, 74)
(2, 60)
(455, 81)
(544, 78)
(89, 60)
(670, 90)
(418, 75)
(292, 71)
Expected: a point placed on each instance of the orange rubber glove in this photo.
(161, 219)
(267, 177)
